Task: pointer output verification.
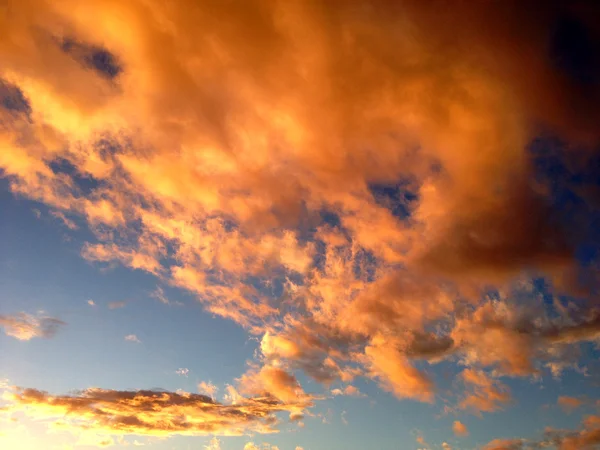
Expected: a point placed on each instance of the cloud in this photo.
(149, 413)
(207, 388)
(460, 429)
(71, 225)
(569, 403)
(349, 390)
(25, 326)
(352, 220)
(183, 372)
(483, 393)
(214, 444)
(116, 305)
(505, 444)
(587, 437)
(395, 372)
(273, 381)
(133, 338)
(91, 302)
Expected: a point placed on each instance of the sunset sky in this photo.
(299, 225)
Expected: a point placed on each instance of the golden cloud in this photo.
(25, 326)
(151, 413)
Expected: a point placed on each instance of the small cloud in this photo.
(214, 444)
(183, 372)
(159, 294)
(421, 441)
(459, 428)
(132, 338)
(207, 389)
(24, 327)
(65, 220)
(569, 404)
(446, 446)
(91, 302)
(116, 305)
(344, 420)
(349, 390)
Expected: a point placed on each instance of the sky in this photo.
(299, 225)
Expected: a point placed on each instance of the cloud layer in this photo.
(356, 185)
(151, 413)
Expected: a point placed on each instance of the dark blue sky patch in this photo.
(93, 57)
(574, 52)
(85, 184)
(399, 197)
(107, 148)
(12, 98)
(330, 218)
(319, 257)
(572, 180)
(365, 265)
(543, 287)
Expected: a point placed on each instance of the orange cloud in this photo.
(569, 403)
(459, 428)
(587, 437)
(483, 394)
(25, 326)
(152, 413)
(504, 444)
(395, 372)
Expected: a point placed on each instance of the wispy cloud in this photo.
(116, 305)
(183, 372)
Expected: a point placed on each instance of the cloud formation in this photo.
(587, 437)
(365, 204)
(149, 413)
(24, 326)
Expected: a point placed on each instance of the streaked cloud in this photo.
(149, 413)
(24, 326)
(116, 305)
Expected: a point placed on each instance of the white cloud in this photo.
(132, 338)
